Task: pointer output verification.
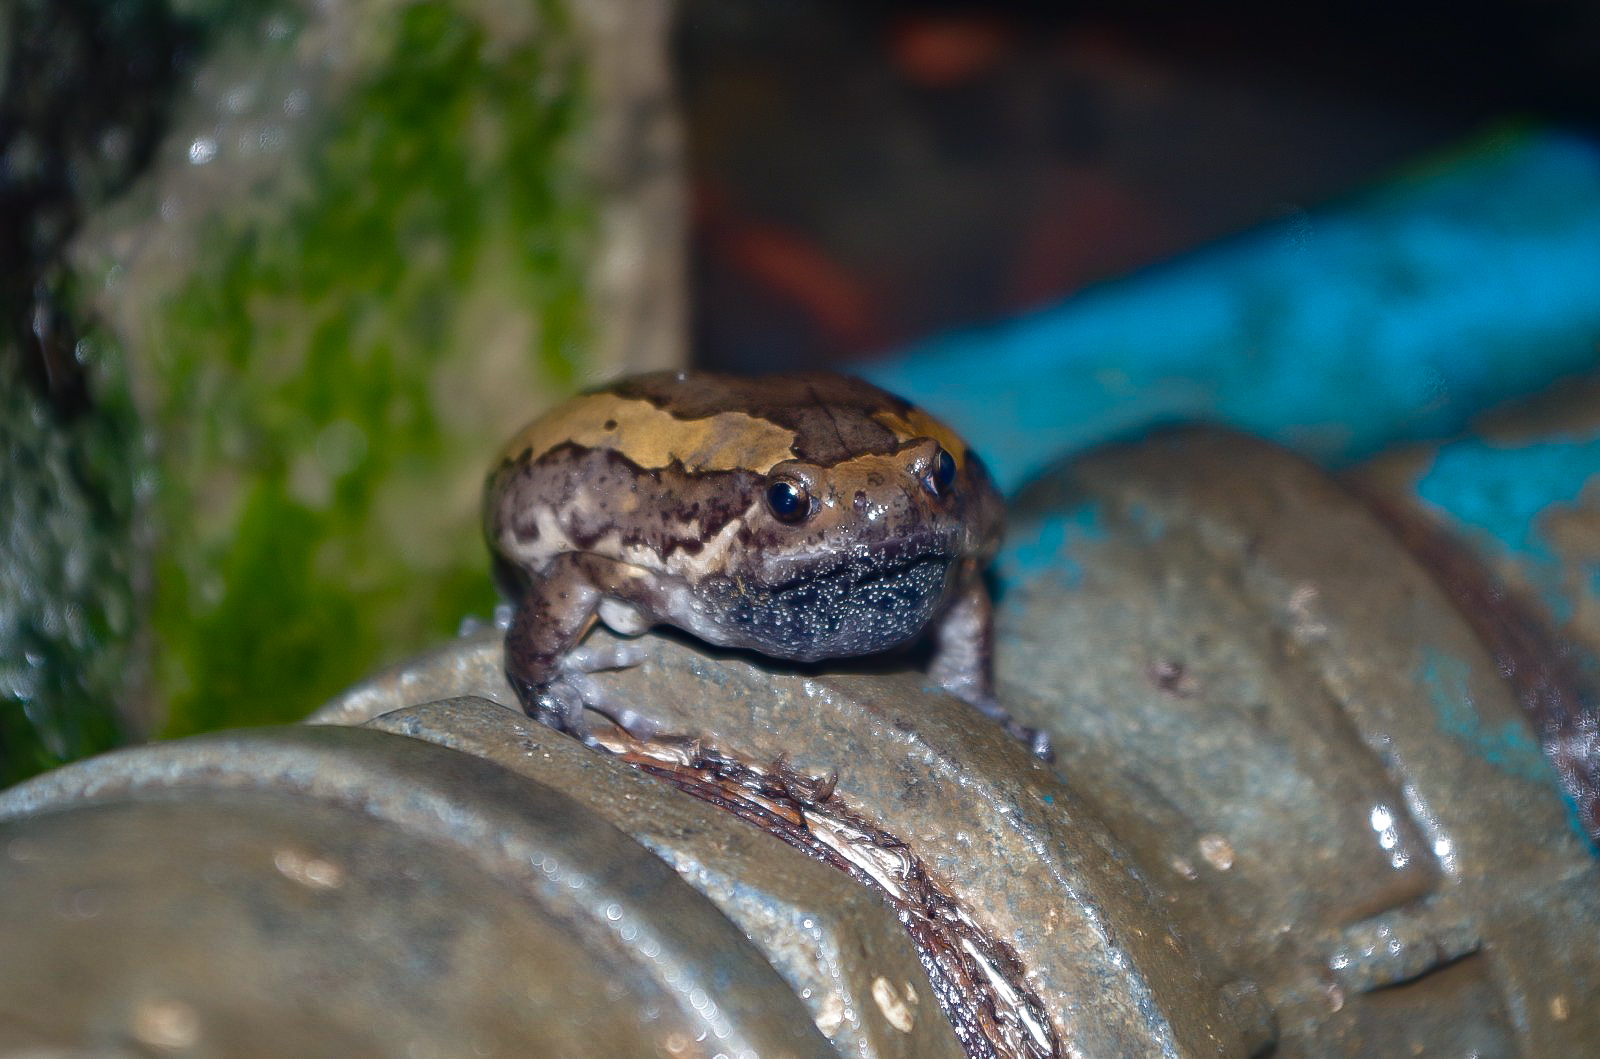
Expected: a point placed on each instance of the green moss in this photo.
(310, 490)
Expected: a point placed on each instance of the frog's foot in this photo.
(1037, 740)
(561, 703)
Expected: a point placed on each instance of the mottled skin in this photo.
(650, 501)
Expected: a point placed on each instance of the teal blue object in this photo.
(1496, 493)
(1050, 545)
(1397, 317)
(1394, 317)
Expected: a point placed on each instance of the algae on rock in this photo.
(365, 250)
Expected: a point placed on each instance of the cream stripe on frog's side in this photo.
(654, 438)
(553, 541)
(554, 536)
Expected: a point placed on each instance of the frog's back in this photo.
(705, 422)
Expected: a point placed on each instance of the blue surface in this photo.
(1498, 494)
(1395, 317)
(1050, 545)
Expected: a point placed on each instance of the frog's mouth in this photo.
(860, 603)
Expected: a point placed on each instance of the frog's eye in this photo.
(789, 501)
(942, 476)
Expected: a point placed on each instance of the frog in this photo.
(805, 517)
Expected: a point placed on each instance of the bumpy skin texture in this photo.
(649, 501)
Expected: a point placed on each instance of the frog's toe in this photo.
(595, 697)
(635, 723)
(1037, 740)
(596, 658)
(560, 705)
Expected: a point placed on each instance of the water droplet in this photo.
(1217, 851)
(271, 138)
(309, 871)
(81, 904)
(202, 150)
(166, 1024)
(237, 99)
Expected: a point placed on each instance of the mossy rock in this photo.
(373, 238)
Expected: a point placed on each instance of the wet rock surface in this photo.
(1291, 812)
(279, 273)
(342, 891)
(1507, 519)
(836, 943)
(83, 93)
(1277, 709)
(994, 828)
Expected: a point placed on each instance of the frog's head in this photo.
(854, 542)
(820, 469)
(920, 501)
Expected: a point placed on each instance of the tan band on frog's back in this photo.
(653, 438)
(915, 423)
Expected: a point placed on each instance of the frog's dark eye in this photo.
(942, 476)
(788, 500)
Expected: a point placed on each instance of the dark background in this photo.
(864, 174)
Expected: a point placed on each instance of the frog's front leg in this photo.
(963, 660)
(546, 660)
